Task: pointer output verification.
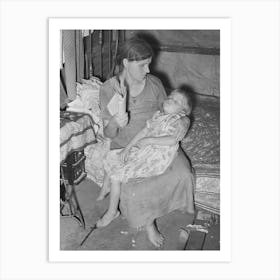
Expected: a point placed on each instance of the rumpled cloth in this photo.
(87, 101)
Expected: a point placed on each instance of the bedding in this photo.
(202, 146)
(76, 132)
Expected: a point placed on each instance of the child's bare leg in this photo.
(105, 188)
(112, 212)
(154, 235)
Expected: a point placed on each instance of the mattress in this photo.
(202, 146)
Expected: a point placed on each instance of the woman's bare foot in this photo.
(104, 191)
(154, 235)
(107, 218)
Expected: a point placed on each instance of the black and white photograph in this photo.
(140, 139)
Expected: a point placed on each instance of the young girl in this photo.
(149, 153)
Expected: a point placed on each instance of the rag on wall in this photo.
(74, 62)
(79, 55)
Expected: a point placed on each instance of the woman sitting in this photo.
(149, 153)
(146, 95)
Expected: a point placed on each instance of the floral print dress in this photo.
(150, 160)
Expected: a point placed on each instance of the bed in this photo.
(202, 146)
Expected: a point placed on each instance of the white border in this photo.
(224, 25)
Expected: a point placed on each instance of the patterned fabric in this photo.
(76, 132)
(150, 160)
(202, 145)
(162, 124)
(95, 154)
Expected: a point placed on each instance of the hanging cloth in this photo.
(74, 61)
(79, 56)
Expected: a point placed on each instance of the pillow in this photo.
(87, 100)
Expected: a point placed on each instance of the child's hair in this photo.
(187, 104)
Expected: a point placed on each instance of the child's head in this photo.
(177, 101)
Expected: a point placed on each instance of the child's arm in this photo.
(161, 140)
(177, 133)
(141, 134)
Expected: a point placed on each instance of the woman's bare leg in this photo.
(154, 235)
(105, 188)
(112, 212)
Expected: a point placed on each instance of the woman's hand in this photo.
(121, 120)
(144, 142)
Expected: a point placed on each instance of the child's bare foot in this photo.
(107, 219)
(104, 191)
(154, 235)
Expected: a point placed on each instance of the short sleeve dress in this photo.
(150, 160)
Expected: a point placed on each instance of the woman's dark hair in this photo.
(134, 49)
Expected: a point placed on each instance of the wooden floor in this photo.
(181, 231)
(206, 236)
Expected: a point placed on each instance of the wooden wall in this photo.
(184, 58)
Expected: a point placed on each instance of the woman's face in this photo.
(136, 71)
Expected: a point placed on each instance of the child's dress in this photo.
(150, 160)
